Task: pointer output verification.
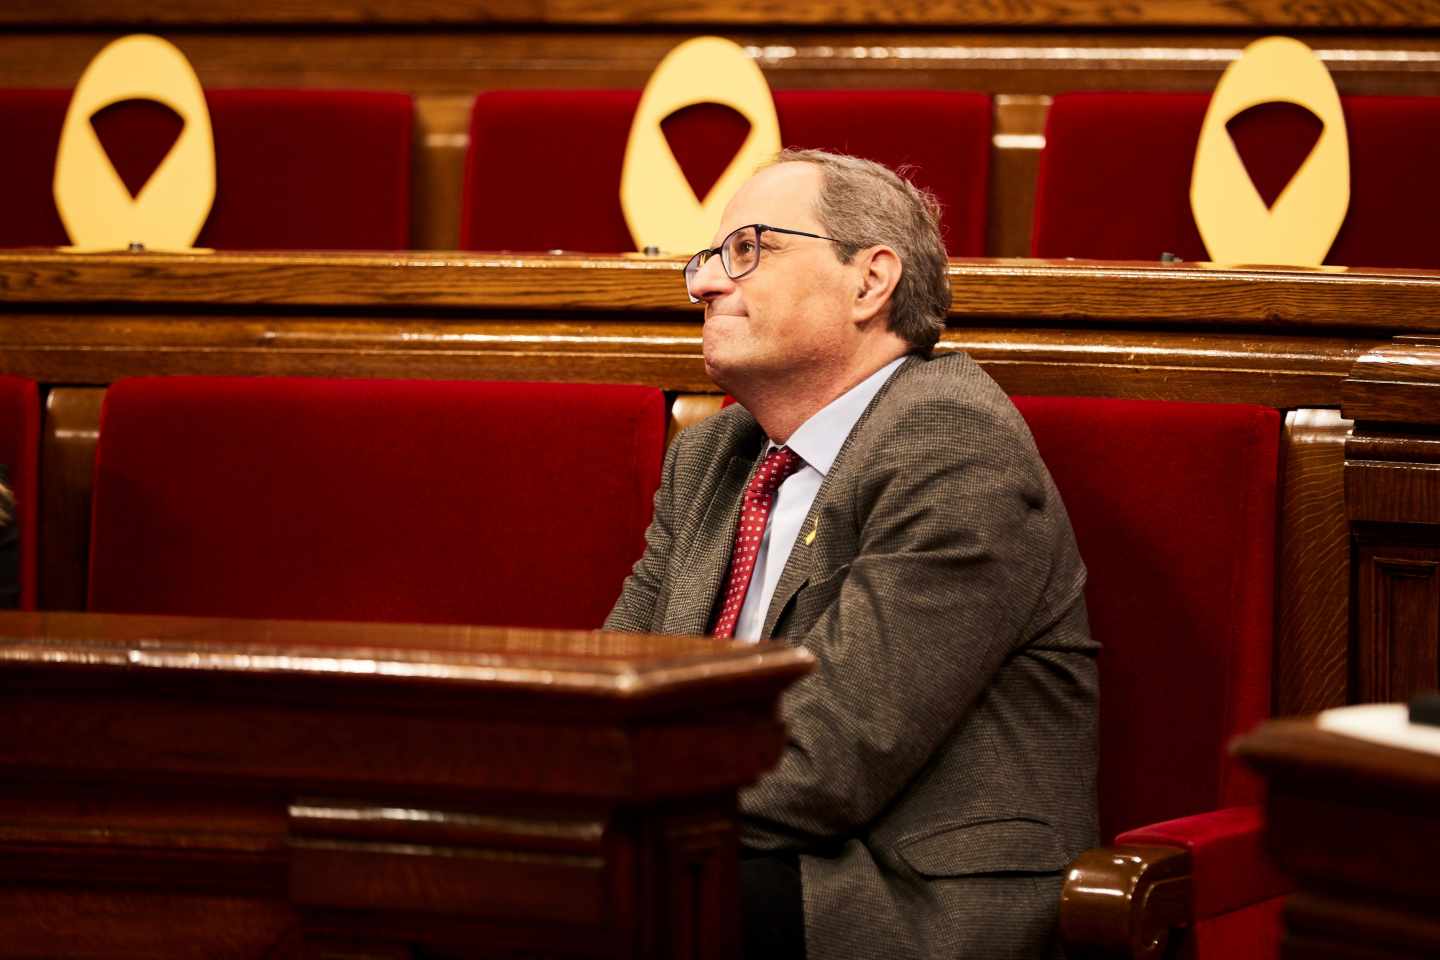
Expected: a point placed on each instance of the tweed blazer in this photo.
(939, 772)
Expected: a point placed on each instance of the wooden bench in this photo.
(1349, 362)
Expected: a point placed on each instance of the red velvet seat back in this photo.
(1114, 179)
(1173, 506)
(20, 456)
(417, 501)
(544, 166)
(295, 169)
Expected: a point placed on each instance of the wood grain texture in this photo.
(1312, 645)
(1398, 629)
(1135, 294)
(1250, 14)
(240, 788)
(1389, 492)
(1399, 383)
(458, 61)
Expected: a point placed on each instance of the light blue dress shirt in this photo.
(817, 442)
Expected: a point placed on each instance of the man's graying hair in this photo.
(863, 203)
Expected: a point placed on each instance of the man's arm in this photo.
(957, 544)
(634, 612)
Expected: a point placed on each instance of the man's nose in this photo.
(710, 281)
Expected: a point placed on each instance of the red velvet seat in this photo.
(295, 169)
(1174, 510)
(544, 166)
(416, 501)
(1114, 179)
(20, 458)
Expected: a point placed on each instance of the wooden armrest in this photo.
(1125, 901)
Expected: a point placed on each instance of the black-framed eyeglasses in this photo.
(739, 253)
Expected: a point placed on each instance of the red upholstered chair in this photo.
(20, 458)
(1114, 179)
(295, 169)
(417, 501)
(1174, 510)
(544, 166)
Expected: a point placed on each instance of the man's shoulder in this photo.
(947, 392)
(699, 454)
(733, 426)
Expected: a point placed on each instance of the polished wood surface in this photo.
(254, 788)
(1311, 670)
(1126, 902)
(69, 434)
(1353, 823)
(1136, 294)
(1248, 14)
(1392, 495)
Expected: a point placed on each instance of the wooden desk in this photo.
(229, 788)
(1358, 826)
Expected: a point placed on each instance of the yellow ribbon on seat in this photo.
(1234, 222)
(660, 208)
(94, 204)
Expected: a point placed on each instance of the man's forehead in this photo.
(782, 195)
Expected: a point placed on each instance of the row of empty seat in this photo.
(329, 170)
(522, 503)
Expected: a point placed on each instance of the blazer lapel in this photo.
(795, 575)
(709, 555)
(812, 554)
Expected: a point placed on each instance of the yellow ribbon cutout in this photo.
(1234, 222)
(660, 208)
(96, 208)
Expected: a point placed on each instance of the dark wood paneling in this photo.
(1398, 635)
(240, 788)
(1312, 644)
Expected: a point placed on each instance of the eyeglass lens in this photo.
(739, 254)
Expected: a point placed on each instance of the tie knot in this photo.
(778, 465)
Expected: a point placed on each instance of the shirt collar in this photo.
(819, 439)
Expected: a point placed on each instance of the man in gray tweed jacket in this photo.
(940, 766)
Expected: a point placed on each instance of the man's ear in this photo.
(878, 269)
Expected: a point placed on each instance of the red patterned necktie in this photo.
(778, 464)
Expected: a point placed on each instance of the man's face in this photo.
(792, 314)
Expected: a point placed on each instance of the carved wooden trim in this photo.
(1125, 901)
(1313, 636)
(1392, 493)
(1398, 639)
